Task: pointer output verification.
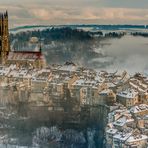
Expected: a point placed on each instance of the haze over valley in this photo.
(102, 51)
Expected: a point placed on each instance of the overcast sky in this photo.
(31, 12)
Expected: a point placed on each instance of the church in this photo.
(34, 59)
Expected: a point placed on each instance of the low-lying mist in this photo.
(114, 51)
(127, 53)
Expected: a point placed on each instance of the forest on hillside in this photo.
(63, 44)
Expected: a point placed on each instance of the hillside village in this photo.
(116, 101)
(68, 88)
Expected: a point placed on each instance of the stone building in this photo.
(128, 97)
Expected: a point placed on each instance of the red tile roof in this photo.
(25, 55)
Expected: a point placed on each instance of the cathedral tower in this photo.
(4, 37)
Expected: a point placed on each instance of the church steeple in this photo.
(40, 44)
(6, 13)
(40, 50)
(4, 37)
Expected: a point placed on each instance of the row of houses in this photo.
(86, 86)
(127, 128)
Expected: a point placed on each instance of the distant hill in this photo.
(89, 27)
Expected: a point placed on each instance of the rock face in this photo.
(68, 138)
(16, 122)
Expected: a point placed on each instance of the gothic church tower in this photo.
(4, 38)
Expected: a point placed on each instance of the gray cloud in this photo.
(77, 11)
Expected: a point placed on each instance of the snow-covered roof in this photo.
(105, 92)
(110, 84)
(122, 136)
(83, 82)
(99, 79)
(112, 131)
(136, 138)
(70, 68)
(123, 120)
(139, 108)
(129, 93)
